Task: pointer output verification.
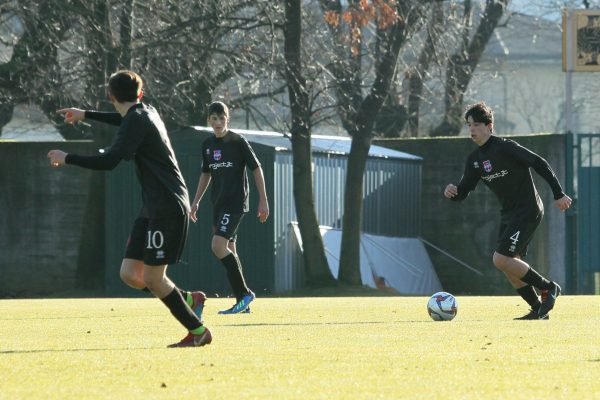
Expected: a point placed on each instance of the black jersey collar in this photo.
(487, 144)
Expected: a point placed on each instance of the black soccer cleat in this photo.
(549, 298)
(532, 315)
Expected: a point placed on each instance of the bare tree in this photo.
(462, 64)
(317, 268)
(395, 21)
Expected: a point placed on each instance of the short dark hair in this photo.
(480, 112)
(125, 86)
(219, 108)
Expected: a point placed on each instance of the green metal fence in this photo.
(585, 216)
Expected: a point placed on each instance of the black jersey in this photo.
(142, 136)
(226, 160)
(503, 166)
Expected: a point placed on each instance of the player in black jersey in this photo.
(225, 157)
(159, 233)
(503, 166)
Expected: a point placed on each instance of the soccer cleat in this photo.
(192, 340)
(198, 303)
(532, 315)
(241, 306)
(549, 298)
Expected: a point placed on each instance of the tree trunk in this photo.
(315, 261)
(353, 211)
(363, 121)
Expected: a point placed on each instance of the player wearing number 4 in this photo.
(225, 157)
(503, 166)
(159, 233)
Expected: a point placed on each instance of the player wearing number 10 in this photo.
(159, 233)
(503, 166)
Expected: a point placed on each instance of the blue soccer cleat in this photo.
(241, 306)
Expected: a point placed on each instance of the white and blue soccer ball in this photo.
(442, 306)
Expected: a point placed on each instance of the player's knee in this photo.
(500, 261)
(219, 247)
(129, 277)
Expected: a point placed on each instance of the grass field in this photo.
(303, 348)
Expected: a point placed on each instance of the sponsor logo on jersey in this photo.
(216, 166)
(216, 155)
(160, 254)
(490, 178)
(475, 164)
(487, 166)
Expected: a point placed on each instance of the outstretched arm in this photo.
(104, 162)
(263, 203)
(73, 115)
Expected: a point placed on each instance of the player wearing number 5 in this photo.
(159, 233)
(504, 167)
(225, 157)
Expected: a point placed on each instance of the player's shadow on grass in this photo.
(74, 350)
(324, 323)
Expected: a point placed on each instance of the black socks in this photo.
(180, 310)
(530, 296)
(234, 274)
(536, 280)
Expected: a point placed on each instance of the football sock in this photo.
(198, 331)
(533, 278)
(187, 296)
(530, 296)
(234, 274)
(181, 311)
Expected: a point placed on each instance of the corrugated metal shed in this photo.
(392, 190)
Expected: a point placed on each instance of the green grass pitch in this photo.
(300, 348)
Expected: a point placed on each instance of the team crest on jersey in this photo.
(475, 164)
(216, 155)
(487, 166)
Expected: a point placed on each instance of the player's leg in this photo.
(225, 228)
(165, 239)
(512, 244)
(157, 282)
(132, 266)
(232, 245)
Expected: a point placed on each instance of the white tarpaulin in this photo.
(401, 264)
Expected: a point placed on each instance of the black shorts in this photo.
(157, 241)
(515, 236)
(225, 224)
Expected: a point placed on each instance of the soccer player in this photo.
(159, 233)
(503, 166)
(225, 157)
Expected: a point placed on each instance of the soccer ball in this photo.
(442, 306)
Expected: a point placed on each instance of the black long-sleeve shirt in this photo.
(503, 166)
(142, 136)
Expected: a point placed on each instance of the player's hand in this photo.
(263, 210)
(193, 216)
(72, 115)
(450, 191)
(57, 157)
(563, 203)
